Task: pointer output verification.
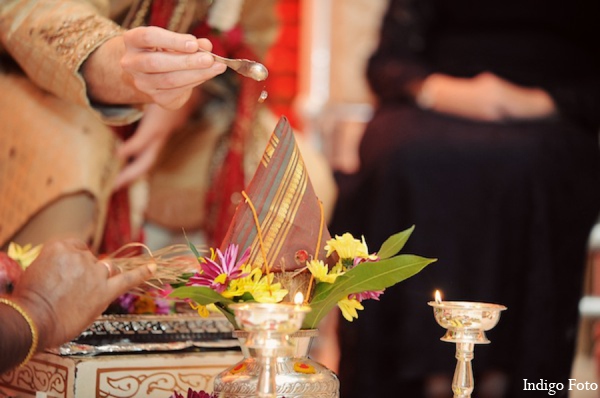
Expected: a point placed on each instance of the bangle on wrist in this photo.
(32, 328)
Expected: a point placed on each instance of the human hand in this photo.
(139, 153)
(485, 97)
(65, 289)
(167, 65)
(149, 64)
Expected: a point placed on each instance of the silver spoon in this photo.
(245, 67)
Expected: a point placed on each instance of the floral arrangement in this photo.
(347, 276)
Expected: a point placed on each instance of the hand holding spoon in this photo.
(252, 69)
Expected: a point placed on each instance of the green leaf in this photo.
(184, 278)
(200, 294)
(366, 276)
(204, 295)
(191, 246)
(394, 243)
(228, 314)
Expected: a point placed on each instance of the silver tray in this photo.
(143, 333)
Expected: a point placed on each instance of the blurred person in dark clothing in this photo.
(486, 138)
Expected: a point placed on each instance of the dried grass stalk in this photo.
(172, 262)
(294, 282)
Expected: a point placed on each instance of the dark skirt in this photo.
(505, 208)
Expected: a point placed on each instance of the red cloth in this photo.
(161, 11)
(118, 229)
(288, 213)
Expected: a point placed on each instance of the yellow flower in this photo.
(201, 309)
(265, 291)
(144, 305)
(321, 272)
(24, 255)
(349, 307)
(347, 247)
(260, 286)
(238, 287)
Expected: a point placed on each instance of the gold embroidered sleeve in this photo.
(50, 40)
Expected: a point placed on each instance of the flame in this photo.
(438, 297)
(298, 298)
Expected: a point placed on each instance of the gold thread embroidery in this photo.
(75, 38)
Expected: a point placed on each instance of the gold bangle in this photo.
(34, 333)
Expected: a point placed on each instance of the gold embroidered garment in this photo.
(53, 142)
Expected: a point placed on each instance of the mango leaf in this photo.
(394, 243)
(184, 278)
(194, 250)
(200, 294)
(364, 277)
(228, 314)
(204, 295)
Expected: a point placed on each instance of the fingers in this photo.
(177, 80)
(108, 267)
(156, 50)
(145, 137)
(172, 90)
(205, 44)
(124, 282)
(165, 65)
(153, 37)
(166, 61)
(138, 166)
(111, 268)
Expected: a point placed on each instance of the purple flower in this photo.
(220, 269)
(194, 394)
(127, 301)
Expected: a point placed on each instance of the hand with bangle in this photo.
(63, 291)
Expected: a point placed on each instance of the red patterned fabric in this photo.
(283, 214)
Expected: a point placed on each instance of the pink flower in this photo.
(372, 294)
(10, 273)
(372, 258)
(218, 274)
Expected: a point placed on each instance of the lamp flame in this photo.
(299, 298)
(438, 297)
